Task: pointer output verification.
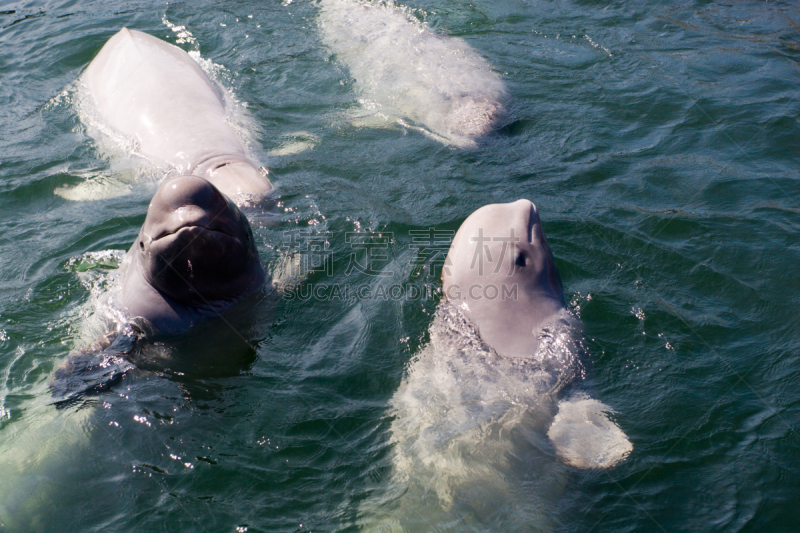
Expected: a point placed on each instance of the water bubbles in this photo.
(356, 224)
(668, 346)
(599, 47)
(180, 460)
(575, 303)
(184, 35)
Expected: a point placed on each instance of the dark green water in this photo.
(660, 142)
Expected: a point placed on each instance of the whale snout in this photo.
(196, 245)
(191, 201)
(523, 214)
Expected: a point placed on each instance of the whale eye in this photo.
(141, 245)
(522, 259)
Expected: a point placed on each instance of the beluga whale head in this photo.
(501, 274)
(195, 255)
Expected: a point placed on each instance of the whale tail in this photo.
(585, 437)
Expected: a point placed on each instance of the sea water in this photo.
(660, 142)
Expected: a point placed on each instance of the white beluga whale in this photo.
(154, 94)
(193, 260)
(408, 74)
(486, 425)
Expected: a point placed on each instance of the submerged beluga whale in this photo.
(408, 74)
(193, 260)
(486, 424)
(155, 94)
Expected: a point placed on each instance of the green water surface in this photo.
(660, 142)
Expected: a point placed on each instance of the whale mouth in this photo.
(193, 230)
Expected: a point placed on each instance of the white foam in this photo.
(100, 273)
(295, 143)
(96, 186)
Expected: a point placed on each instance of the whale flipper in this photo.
(585, 437)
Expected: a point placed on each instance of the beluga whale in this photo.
(154, 94)
(193, 260)
(194, 257)
(492, 414)
(408, 74)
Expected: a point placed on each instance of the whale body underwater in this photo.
(485, 425)
(408, 74)
(156, 95)
(194, 257)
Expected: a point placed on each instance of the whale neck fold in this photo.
(236, 176)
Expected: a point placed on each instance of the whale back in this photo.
(157, 96)
(148, 89)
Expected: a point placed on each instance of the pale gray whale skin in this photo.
(194, 257)
(485, 425)
(502, 247)
(501, 275)
(406, 73)
(155, 93)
